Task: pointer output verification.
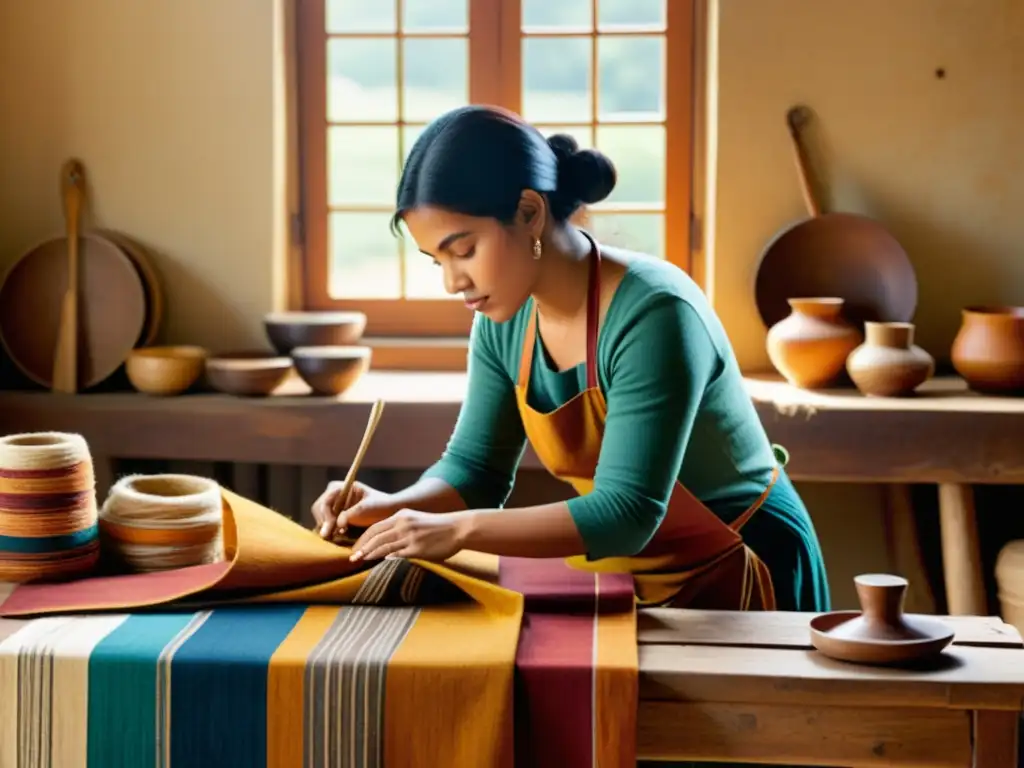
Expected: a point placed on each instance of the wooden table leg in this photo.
(904, 547)
(997, 739)
(961, 553)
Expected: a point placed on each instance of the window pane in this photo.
(643, 232)
(631, 13)
(363, 165)
(639, 156)
(436, 77)
(360, 16)
(553, 14)
(556, 79)
(361, 84)
(409, 135)
(632, 77)
(364, 257)
(424, 279)
(426, 15)
(584, 135)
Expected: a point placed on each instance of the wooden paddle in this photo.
(65, 361)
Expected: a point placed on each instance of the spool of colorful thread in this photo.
(48, 512)
(161, 522)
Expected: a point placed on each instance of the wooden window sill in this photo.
(418, 354)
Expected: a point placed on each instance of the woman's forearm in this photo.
(429, 494)
(543, 531)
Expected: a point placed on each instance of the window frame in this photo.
(495, 58)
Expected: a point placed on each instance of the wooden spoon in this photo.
(65, 362)
(341, 500)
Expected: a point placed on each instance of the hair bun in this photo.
(585, 175)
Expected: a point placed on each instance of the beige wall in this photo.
(174, 107)
(939, 161)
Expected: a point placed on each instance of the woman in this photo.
(615, 368)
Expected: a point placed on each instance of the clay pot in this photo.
(880, 633)
(888, 363)
(810, 346)
(988, 350)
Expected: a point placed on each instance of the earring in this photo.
(538, 250)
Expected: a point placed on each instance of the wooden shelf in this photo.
(944, 435)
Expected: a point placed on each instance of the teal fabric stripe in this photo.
(37, 545)
(122, 691)
(219, 687)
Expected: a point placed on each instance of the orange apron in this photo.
(694, 560)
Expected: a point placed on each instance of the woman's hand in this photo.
(408, 533)
(365, 507)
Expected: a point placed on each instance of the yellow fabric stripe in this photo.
(462, 708)
(616, 689)
(286, 691)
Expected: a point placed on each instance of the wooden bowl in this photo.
(247, 374)
(165, 370)
(288, 330)
(331, 370)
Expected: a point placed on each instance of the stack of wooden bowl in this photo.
(323, 347)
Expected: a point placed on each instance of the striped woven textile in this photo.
(284, 657)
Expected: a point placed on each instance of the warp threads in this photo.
(48, 517)
(160, 522)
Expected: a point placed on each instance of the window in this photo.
(616, 74)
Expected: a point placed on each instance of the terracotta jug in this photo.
(888, 363)
(988, 350)
(810, 346)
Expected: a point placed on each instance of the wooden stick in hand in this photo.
(341, 500)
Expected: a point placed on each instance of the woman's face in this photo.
(489, 264)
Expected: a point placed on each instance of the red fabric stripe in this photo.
(554, 691)
(555, 658)
(122, 592)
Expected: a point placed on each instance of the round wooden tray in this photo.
(112, 308)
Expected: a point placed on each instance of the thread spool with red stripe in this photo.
(48, 515)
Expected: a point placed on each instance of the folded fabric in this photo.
(287, 654)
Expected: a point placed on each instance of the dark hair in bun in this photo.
(584, 176)
(477, 160)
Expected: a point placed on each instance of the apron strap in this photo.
(593, 317)
(740, 521)
(593, 310)
(526, 356)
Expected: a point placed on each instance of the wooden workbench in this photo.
(748, 687)
(946, 435)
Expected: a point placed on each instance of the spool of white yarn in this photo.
(160, 522)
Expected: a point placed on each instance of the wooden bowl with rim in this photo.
(165, 370)
(289, 330)
(250, 373)
(331, 371)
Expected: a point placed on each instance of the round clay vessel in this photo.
(888, 363)
(880, 633)
(810, 346)
(988, 350)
